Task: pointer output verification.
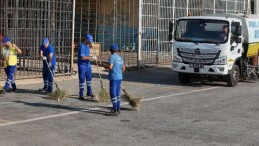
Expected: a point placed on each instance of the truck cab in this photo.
(208, 47)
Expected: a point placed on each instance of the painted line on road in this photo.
(47, 117)
(177, 94)
(92, 109)
(148, 85)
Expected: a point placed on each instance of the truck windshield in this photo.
(202, 30)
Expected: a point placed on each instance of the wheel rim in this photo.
(235, 75)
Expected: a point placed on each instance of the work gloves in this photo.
(94, 57)
(44, 58)
(50, 65)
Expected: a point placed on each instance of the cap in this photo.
(89, 38)
(6, 39)
(45, 41)
(114, 47)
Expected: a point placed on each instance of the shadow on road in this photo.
(30, 91)
(56, 106)
(158, 76)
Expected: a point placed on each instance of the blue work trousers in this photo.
(47, 77)
(115, 90)
(85, 74)
(9, 71)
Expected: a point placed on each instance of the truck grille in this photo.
(199, 56)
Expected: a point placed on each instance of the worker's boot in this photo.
(90, 95)
(112, 113)
(14, 90)
(81, 98)
(44, 89)
(93, 96)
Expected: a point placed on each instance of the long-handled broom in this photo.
(2, 89)
(103, 94)
(58, 94)
(134, 102)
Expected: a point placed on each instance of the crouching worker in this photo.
(116, 68)
(47, 54)
(9, 57)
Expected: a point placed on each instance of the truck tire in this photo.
(184, 78)
(233, 78)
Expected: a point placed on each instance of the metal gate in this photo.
(109, 21)
(150, 31)
(28, 21)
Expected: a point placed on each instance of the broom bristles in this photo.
(104, 96)
(134, 102)
(58, 94)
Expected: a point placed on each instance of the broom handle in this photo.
(99, 73)
(52, 74)
(98, 69)
(126, 93)
(122, 88)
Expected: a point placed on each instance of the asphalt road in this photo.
(170, 114)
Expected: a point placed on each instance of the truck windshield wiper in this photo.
(185, 39)
(216, 43)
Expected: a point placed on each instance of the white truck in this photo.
(202, 50)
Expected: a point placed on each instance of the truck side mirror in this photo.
(171, 27)
(238, 30)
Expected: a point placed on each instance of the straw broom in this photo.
(58, 94)
(134, 102)
(2, 89)
(103, 94)
(2, 65)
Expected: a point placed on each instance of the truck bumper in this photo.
(207, 69)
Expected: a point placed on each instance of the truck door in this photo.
(235, 41)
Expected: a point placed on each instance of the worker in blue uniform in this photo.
(116, 68)
(84, 67)
(48, 56)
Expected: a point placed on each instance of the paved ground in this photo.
(171, 114)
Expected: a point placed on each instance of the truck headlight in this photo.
(221, 61)
(177, 58)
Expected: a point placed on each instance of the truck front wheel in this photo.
(184, 78)
(233, 78)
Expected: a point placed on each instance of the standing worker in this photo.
(84, 67)
(9, 55)
(48, 56)
(116, 68)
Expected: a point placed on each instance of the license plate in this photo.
(197, 65)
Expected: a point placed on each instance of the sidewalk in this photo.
(60, 78)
